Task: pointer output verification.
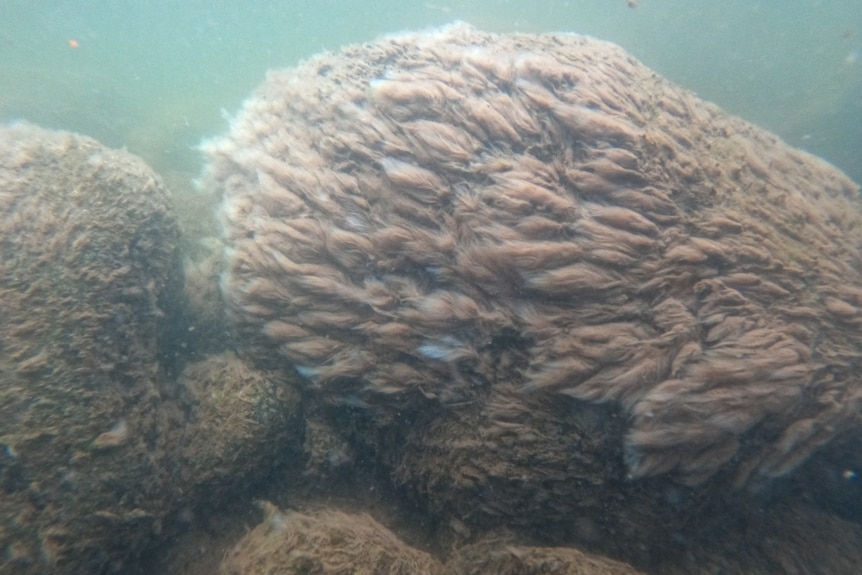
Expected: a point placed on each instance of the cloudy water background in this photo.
(158, 76)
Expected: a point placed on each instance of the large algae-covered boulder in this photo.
(87, 264)
(530, 270)
(99, 447)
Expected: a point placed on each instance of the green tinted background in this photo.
(157, 76)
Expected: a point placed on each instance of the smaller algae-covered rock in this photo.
(508, 558)
(327, 542)
(231, 421)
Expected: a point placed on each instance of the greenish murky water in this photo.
(158, 76)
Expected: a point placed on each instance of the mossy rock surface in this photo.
(541, 285)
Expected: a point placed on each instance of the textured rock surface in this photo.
(100, 450)
(327, 543)
(332, 542)
(87, 261)
(225, 425)
(787, 538)
(528, 269)
(502, 558)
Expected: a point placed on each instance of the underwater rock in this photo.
(500, 557)
(327, 542)
(87, 266)
(788, 538)
(227, 423)
(100, 448)
(529, 270)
